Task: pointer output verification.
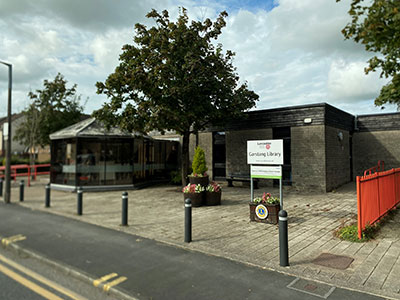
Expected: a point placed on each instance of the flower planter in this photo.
(273, 211)
(213, 198)
(197, 198)
(203, 181)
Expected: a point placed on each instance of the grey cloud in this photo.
(92, 15)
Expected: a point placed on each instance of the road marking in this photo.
(12, 239)
(30, 285)
(42, 279)
(97, 282)
(107, 286)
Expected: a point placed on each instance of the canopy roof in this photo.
(92, 128)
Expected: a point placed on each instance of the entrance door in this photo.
(219, 156)
(283, 133)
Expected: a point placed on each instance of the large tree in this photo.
(52, 108)
(28, 131)
(376, 25)
(174, 78)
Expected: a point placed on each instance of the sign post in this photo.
(265, 158)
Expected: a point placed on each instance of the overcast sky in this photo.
(291, 52)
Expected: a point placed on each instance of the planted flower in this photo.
(193, 189)
(213, 187)
(266, 198)
(272, 206)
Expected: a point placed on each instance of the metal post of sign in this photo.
(251, 187)
(281, 189)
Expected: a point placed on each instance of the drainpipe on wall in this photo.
(355, 122)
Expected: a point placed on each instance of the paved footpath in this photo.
(147, 269)
(224, 231)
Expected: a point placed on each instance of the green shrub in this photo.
(176, 177)
(199, 162)
(350, 233)
(16, 160)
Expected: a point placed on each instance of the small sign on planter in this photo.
(261, 212)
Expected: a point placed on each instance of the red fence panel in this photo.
(376, 195)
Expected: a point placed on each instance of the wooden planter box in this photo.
(203, 181)
(213, 198)
(197, 198)
(273, 211)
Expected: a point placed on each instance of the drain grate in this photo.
(333, 261)
(312, 288)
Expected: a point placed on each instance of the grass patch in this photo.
(350, 232)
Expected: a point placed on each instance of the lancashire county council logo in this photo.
(268, 146)
(261, 212)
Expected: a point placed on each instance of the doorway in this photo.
(219, 156)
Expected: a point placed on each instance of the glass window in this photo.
(119, 162)
(63, 164)
(90, 162)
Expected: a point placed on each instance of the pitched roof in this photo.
(91, 128)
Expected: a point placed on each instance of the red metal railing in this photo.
(16, 171)
(376, 194)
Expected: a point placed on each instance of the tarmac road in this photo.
(146, 269)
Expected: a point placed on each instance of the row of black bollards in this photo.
(79, 201)
(283, 232)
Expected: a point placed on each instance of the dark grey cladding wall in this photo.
(321, 114)
(280, 117)
(377, 138)
(379, 122)
(338, 118)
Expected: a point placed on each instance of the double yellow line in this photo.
(33, 286)
(107, 286)
(12, 239)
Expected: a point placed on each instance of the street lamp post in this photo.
(7, 193)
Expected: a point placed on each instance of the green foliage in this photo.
(174, 77)
(176, 177)
(350, 233)
(16, 160)
(52, 108)
(376, 25)
(199, 162)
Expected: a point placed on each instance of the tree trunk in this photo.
(185, 157)
(32, 160)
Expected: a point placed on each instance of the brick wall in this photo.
(337, 158)
(369, 147)
(236, 148)
(308, 157)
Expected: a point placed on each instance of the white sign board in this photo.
(265, 152)
(267, 172)
(5, 130)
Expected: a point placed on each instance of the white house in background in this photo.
(16, 146)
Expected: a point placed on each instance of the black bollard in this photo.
(188, 221)
(79, 195)
(47, 199)
(21, 191)
(283, 239)
(1, 187)
(124, 209)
